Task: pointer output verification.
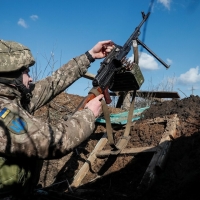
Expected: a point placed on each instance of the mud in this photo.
(119, 177)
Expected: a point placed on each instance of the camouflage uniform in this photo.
(23, 137)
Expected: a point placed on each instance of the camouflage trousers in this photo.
(18, 177)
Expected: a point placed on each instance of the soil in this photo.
(119, 177)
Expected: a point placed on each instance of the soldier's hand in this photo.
(101, 49)
(95, 105)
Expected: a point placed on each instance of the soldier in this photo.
(26, 141)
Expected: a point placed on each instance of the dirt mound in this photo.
(118, 177)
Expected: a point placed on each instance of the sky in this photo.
(59, 30)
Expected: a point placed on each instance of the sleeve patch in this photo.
(17, 125)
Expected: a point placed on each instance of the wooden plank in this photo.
(158, 94)
(86, 166)
(131, 151)
(151, 94)
(89, 76)
(159, 158)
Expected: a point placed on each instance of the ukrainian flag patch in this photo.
(4, 112)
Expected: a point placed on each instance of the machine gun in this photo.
(113, 73)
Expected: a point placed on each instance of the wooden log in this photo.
(89, 76)
(151, 94)
(86, 166)
(159, 158)
(131, 151)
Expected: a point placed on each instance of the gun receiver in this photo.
(113, 64)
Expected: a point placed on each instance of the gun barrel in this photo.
(127, 46)
(137, 30)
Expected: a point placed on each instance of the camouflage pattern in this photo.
(14, 56)
(36, 138)
(25, 139)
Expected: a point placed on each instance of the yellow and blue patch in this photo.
(4, 112)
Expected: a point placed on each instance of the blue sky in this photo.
(58, 30)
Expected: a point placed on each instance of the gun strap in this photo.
(121, 144)
(125, 138)
(106, 116)
(108, 123)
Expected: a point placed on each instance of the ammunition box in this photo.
(128, 80)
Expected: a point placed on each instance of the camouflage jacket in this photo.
(23, 135)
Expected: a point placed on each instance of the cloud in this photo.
(191, 76)
(169, 62)
(165, 3)
(34, 17)
(146, 61)
(22, 23)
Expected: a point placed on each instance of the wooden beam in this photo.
(159, 158)
(86, 166)
(158, 94)
(89, 76)
(151, 94)
(131, 151)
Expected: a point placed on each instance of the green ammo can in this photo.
(127, 80)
